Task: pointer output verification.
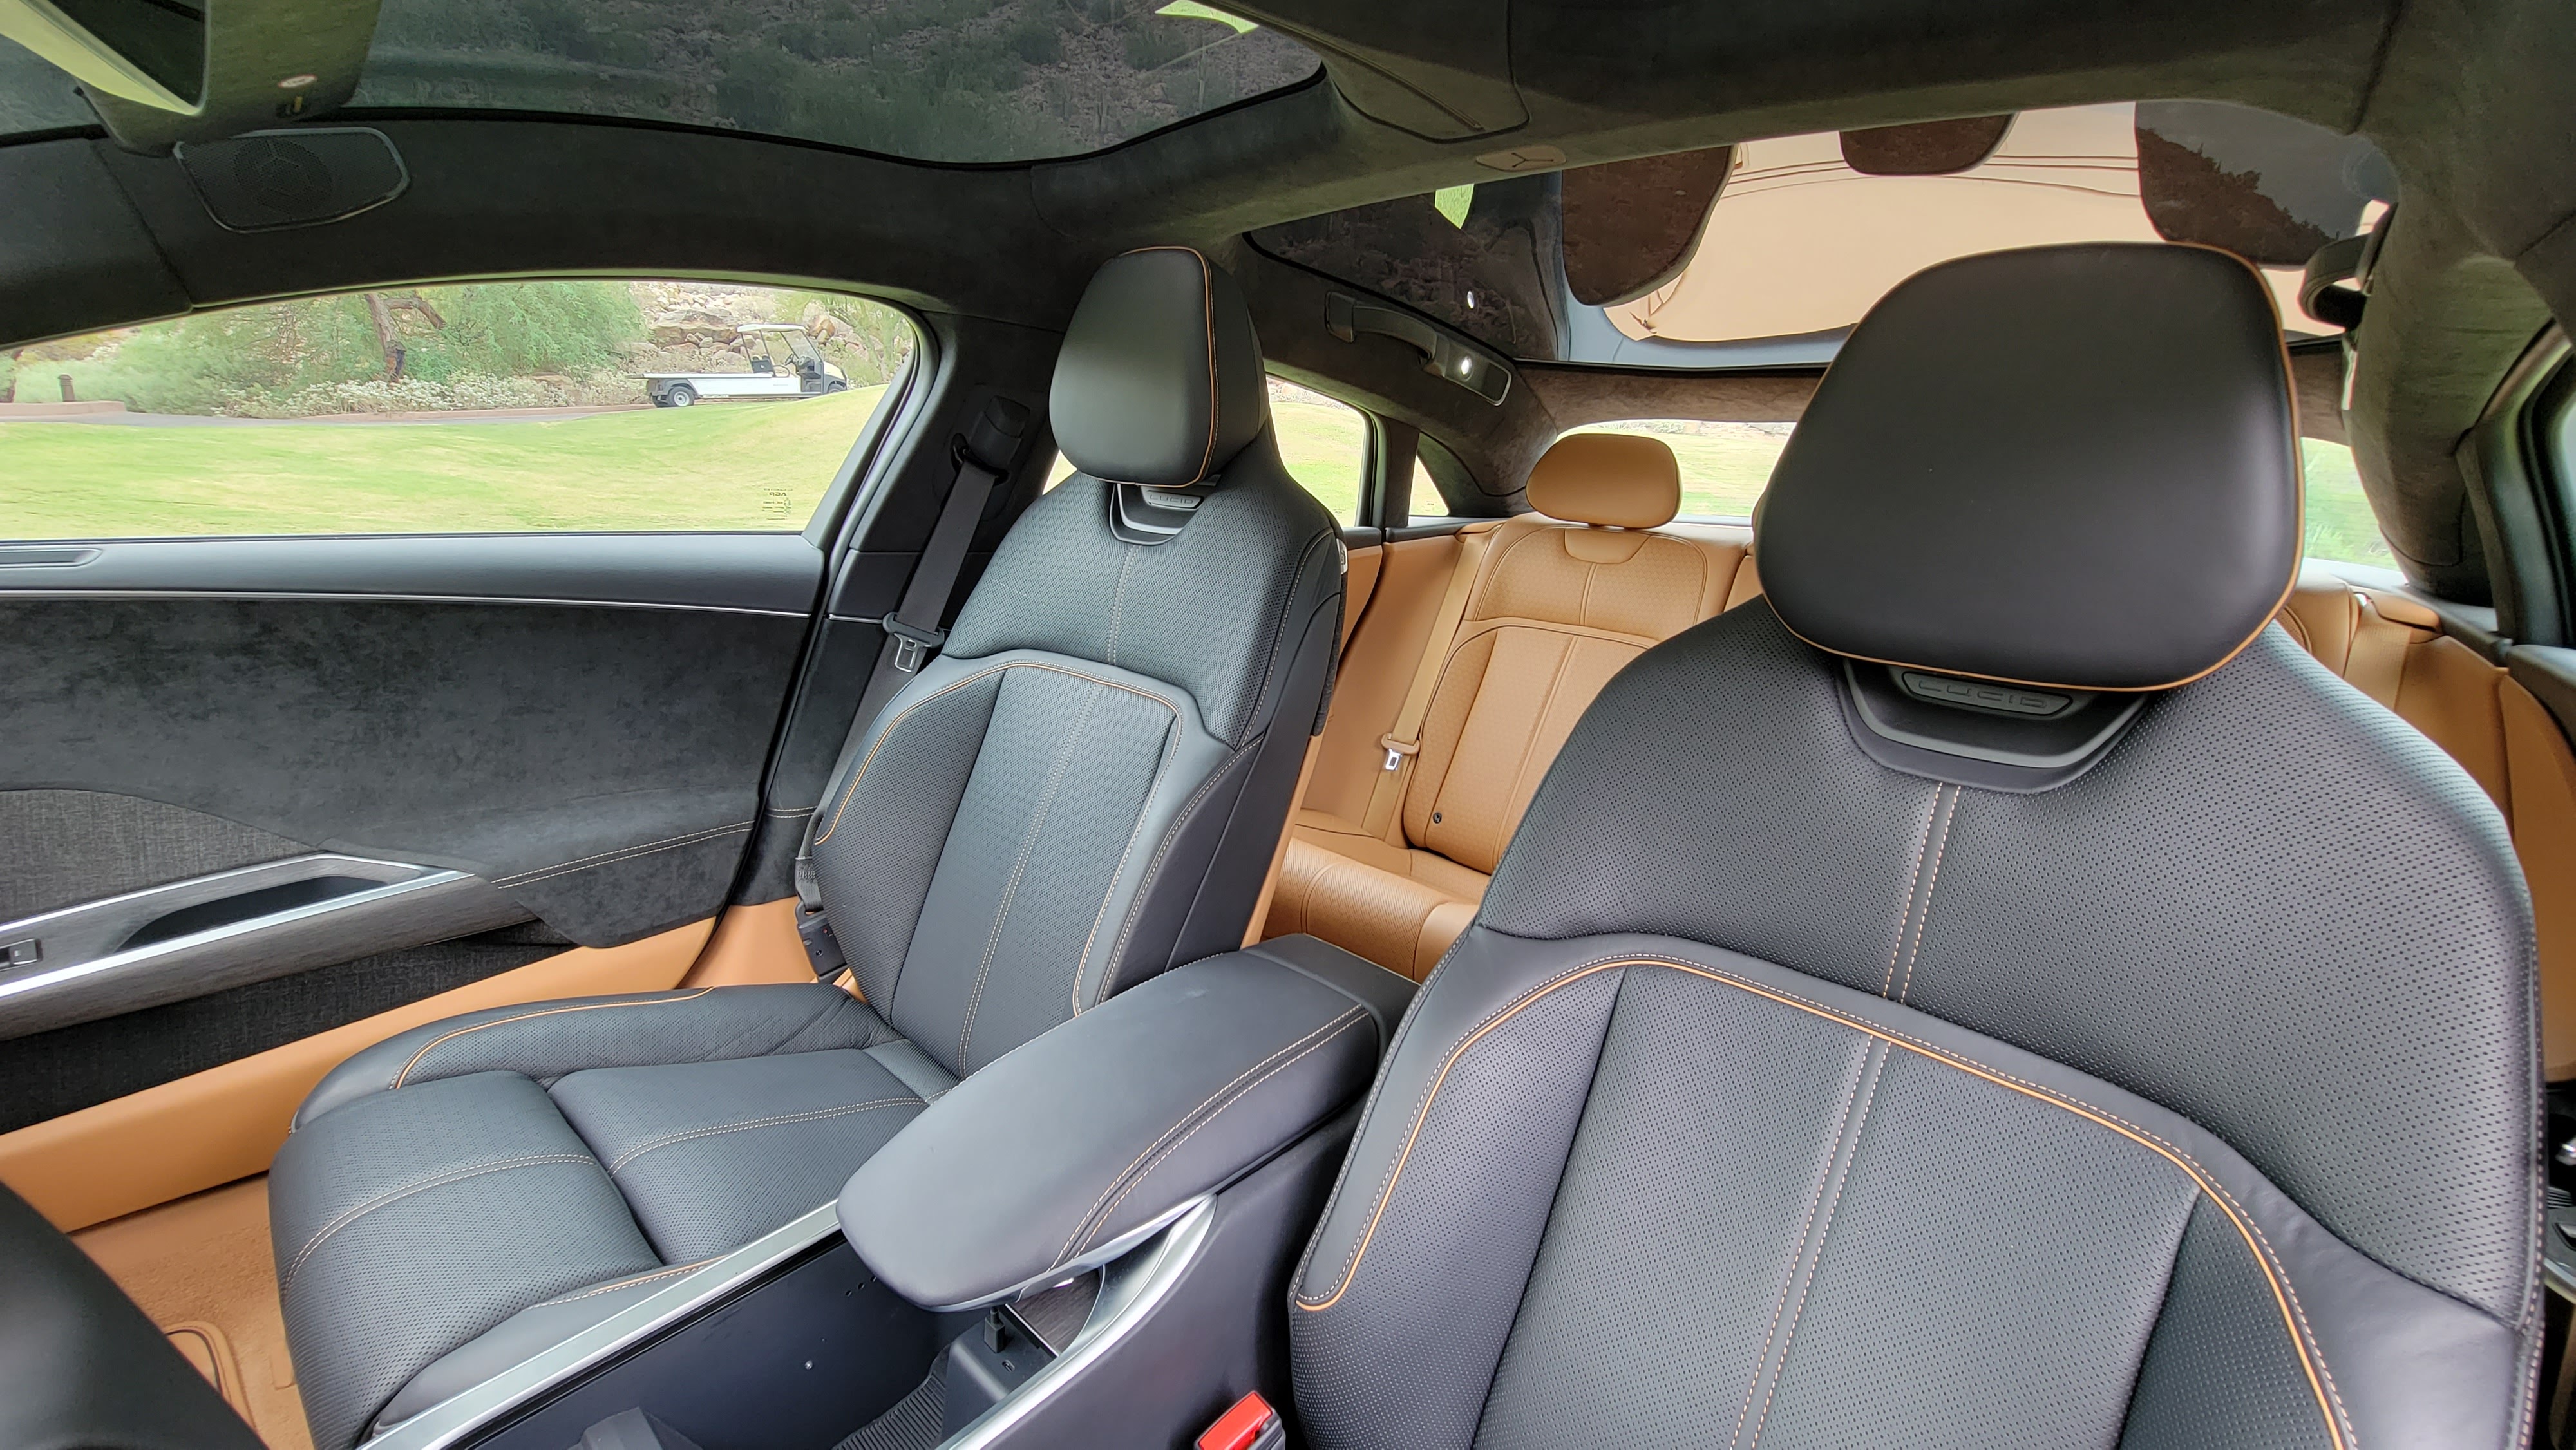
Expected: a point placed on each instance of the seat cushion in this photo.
(527, 1157)
(711, 1155)
(1398, 907)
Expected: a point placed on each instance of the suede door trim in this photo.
(2293, 1318)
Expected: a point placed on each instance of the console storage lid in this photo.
(1048, 1159)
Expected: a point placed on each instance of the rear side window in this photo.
(1724, 466)
(493, 407)
(2341, 529)
(1324, 443)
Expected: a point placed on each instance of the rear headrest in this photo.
(1619, 480)
(1160, 380)
(2069, 466)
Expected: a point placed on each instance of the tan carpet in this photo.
(200, 1266)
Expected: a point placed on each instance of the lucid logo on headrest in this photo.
(1981, 694)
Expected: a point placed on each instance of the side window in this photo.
(1325, 444)
(490, 407)
(2340, 526)
(1724, 466)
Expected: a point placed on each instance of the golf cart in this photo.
(784, 364)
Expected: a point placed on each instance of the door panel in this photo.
(563, 735)
(597, 762)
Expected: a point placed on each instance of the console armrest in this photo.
(1045, 1161)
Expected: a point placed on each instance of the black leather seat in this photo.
(1083, 790)
(2102, 1026)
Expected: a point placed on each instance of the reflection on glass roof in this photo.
(36, 97)
(1806, 233)
(1799, 242)
(932, 80)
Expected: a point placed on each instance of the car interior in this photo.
(1309, 782)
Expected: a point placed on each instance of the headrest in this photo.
(1160, 380)
(2070, 466)
(1619, 480)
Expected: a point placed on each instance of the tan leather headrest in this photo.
(1620, 480)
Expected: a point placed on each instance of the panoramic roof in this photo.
(1775, 248)
(928, 80)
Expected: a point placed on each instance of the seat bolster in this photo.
(531, 1331)
(547, 1040)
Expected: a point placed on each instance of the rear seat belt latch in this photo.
(1396, 750)
(1250, 1425)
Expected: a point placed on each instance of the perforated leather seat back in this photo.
(1781, 1095)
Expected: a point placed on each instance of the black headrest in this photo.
(2073, 466)
(1160, 381)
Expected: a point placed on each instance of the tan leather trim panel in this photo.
(1359, 582)
(201, 1269)
(1377, 666)
(226, 1123)
(2449, 692)
(1747, 585)
(1279, 853)
(753, 944)
(1617, 480)
(2543, 771)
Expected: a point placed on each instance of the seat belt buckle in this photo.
(1397, 750)
(1250, 1425)
(911, 645)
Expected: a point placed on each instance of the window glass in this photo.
(494, 407)
(1323, 442)
(935, 80)
(1654, 263)
(2340, 526)
(1724, 466)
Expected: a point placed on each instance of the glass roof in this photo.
(1802, 234)
(929, 80)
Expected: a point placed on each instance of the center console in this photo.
(1088, 1242)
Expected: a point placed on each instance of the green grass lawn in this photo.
(757, 465)
(716, 466)
(1324, 444)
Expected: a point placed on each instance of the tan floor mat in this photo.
(201, 1268)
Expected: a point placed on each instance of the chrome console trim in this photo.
(468, 1412)
(1131, 1289)
(84, 962)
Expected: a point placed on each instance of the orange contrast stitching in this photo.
(2284, 1295)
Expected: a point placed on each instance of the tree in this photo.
(380, 310)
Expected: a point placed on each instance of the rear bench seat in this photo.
(1546, 606)
(2393, 650)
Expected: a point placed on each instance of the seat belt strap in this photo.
(1404, 742)
(984, 458)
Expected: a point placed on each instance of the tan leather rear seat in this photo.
(1559, 600)
(2393, 649)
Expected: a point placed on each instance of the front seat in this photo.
(1087, 787)
(1997, 992)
